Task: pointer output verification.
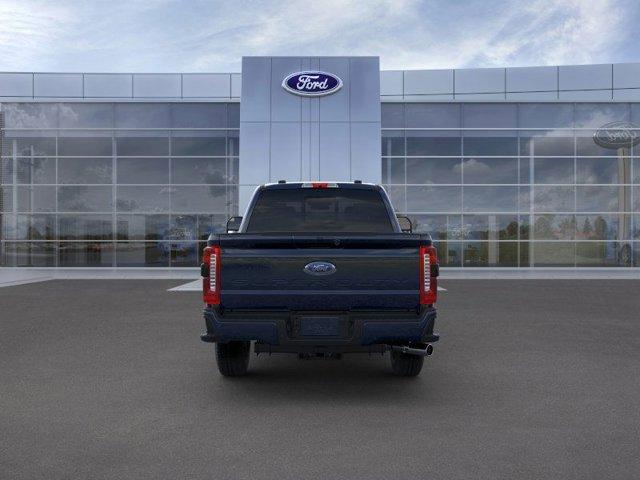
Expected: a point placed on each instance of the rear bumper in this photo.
(356, 329)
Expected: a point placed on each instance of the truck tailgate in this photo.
(268, 272)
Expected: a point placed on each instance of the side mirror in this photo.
(405, 223)
(233, 224)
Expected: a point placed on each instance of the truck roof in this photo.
(320, 184)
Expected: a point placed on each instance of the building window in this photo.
(115, 184)
(515, 185)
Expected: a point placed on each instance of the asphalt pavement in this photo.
(108, 379)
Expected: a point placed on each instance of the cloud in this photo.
(26, 30)
(166, 35)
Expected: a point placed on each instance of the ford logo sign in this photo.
(617, 135)
(319, 268)
(312, 83)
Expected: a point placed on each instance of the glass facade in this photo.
(130, 184)
(115, 184)
(515, 184)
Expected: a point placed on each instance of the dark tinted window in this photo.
(320, 210)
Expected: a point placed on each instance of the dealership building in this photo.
(527, 167)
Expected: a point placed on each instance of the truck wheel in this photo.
(233, 358)
(406, 365)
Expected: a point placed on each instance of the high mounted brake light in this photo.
(319, 185)
(211, 275)
(429, 271)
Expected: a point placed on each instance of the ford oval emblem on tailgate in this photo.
(319, 268)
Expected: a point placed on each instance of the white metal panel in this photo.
(236, 85)
(335, 107)
(364, 84)
(391, 82)
(426, 82)
(365, 153)
(314, 150)
(108, 85)
(285, 151)
(586, 95)
(305, 151)
(428, 98)
(585, 77)
(16, 84)
(255, 148)
(157, 85)
(203, 85)
(480, 97)
(626, 75)
(334, 151)
(532, 96)
(285, 106)
(57, 85)
(629, 94)
(479, 80)
(532, 79)
(255, 105)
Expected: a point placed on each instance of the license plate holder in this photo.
(320, 326)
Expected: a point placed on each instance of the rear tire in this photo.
(233, 358)
(405, 365)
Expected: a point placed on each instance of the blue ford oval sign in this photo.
(312, 83)
(319, 268)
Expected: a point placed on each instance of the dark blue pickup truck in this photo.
(320, 269)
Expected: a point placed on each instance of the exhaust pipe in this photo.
(427, 351)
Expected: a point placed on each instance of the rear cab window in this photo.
(325, 210)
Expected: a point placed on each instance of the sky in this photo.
(212, 36)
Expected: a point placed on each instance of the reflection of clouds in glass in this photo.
(84, 170)
(554, 170)
(524, 199)
(596, 115)
(36, 170)
(599, 170)
(143, 199)
(473, 166)
(85, 199)
(27, 115)
(490, 199)
(554, 199)
(68, 115)
(601, 198)
(137, 115)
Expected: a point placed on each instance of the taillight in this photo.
(428, 275)
(211, 281)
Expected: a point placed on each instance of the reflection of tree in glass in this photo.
(600, 228)
(543, 227)
(546, 227)
(511, 232)
(567, 227)
(587, 229)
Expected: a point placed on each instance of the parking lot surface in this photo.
(532, 379)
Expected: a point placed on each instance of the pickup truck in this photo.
(319, 269)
